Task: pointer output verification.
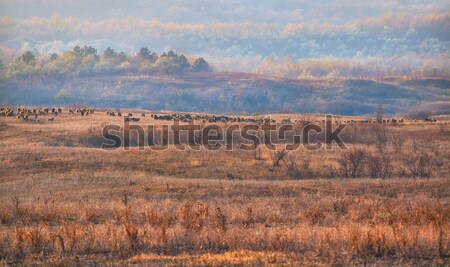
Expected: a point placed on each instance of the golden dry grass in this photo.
(63, 201)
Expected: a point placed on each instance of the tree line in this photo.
(86, 61)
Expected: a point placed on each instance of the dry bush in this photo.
(352, 163)
(293, 171)
(380, 165)
(419, 165)
(193, 216)
(279, 155)
(398, 141)
(381, 136)
(444, 127)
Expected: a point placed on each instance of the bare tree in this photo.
(379, 114)
(279, 155)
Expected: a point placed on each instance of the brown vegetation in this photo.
(64, 201)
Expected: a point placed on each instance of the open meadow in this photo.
(64, 201)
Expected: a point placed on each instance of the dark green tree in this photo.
(89, 50)
(121, 56)
(146, 54)
(85, 51)
(77, 50)
(53, 56)
(171, 54)
(183, 62)
(200, 65)
(110, 53)
(27, 58)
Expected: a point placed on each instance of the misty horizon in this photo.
(256, 37)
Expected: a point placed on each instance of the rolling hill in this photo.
(233, 93)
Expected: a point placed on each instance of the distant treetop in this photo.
(87, 61)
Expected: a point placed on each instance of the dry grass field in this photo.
(66, 202)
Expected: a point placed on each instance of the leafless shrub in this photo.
(379, 113)
(398, 141)
(193, 217)
(381, 136)
(19, 243)
(291, 167)
(380, 166)
(352, 163)
(72, 237)
(279, 155)
(444, 127)
(249, 218)
(36, 240)
(303, 171)
(221, 220)
(315, 215)
(131, 230)
(330, 171)
(419, 165)
(427, 145)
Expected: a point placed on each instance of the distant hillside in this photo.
(232, 93)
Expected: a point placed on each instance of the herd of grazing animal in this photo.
(34, 114)
(30, 114)
(82, 111)
(203, 118)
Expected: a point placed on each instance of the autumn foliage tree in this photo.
(85, 60)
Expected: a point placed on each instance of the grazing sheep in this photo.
(59, 110)
(50, 119)
(143, 114)
(130, 115)
(71, 111)
(118, 114)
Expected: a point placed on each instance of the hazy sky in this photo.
(233, 31)
(204, 11)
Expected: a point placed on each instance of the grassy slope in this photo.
(232, 93)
